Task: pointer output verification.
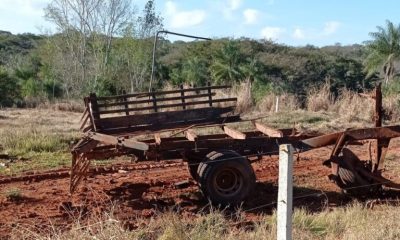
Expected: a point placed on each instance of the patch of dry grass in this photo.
(286, 102)
(351, 222)
(36, 139)
(319, 99)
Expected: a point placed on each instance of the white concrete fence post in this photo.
(285, 193)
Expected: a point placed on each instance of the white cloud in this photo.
(251, 16)
(330, 27)
(229, 7)
(272, 33)
(298, 33)
(183, 19)
(24, 7)
(234, 4)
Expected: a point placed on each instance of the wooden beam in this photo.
(157, 137)
(147, 94)
(165, 99)
(155, 106)
(163, 118)
(112, 140)
(235, 134)
(84, 121)
(267, 130)
(191, 135)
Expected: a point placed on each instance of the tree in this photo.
(226, 64)
(9, 89)
(383, 51)
(150, 22)
(84, 42)
(135, 48)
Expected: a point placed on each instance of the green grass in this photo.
(32, 149)
(32, 161)
(19, 142)
(304, 118)
(13, 194)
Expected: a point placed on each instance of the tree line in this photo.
(106, 47)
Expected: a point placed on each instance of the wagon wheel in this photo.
(226, 177)
(352, 181)
(193, 164)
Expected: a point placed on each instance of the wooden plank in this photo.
(84, 113)
(126, 106)
(153, 97)
(209, 94)
(84, 122)
(165, 99)
(267, 130)
(163, 117)
(149, 129)
(267, 144)
(183, 97)
(235, 134)
(93, 106)
(191, 135)
(112, 140)
(157, 138)
(92, 118)
(146, 94)
(156, 107)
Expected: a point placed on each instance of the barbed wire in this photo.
(321, 193)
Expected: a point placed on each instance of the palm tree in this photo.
(383, 51)
(225, 67)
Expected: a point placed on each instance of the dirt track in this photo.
(144, 193)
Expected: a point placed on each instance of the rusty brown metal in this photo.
(112, 135)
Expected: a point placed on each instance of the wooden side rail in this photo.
(149, 94)
(158, 109)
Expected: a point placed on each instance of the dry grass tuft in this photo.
(351, 106)
(319, 99)
(391, 106)
(286, 102)
(66, 106)
(351, 222)
(245, 101)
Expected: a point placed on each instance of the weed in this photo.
(13, 194)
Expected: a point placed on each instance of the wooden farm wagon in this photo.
(166, 125)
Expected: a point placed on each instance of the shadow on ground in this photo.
(262, 201)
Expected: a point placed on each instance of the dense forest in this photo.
(112, 54)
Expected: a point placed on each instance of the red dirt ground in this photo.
(144, 193)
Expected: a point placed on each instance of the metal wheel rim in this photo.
(228, 181)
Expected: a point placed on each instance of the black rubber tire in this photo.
(352, 182)
(226, 178)
(193, 166)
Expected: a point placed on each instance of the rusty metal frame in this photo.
(263, 140)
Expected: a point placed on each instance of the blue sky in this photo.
(293, 22)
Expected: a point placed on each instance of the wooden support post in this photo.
(125, 99)
(153, 95)
(209, 94)
(112, 140)
(183, 97)
(94, 106)
(157, 138)
(235, 134)
(191, 135)
(285, 193)
(378, 123)
(94, 110)
(267, 130)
